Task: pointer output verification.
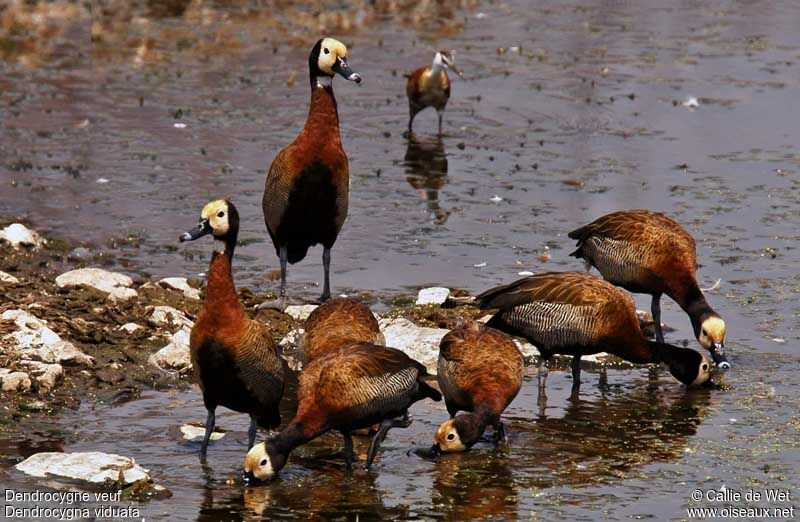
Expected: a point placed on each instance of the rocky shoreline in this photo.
(71, 331)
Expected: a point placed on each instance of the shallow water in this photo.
(579, 122)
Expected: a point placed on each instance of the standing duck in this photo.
(577, 314)
(647, 252)
(353, 388)
(235, 359)
(430, 87)
(306, 192)
(337, 323)
(479, 371)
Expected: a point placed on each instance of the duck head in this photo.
(220, 219)
(329, 58)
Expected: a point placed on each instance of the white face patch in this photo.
(258, 463)
(330, 50)
(216, 213)
(712, 331)
(703, 371)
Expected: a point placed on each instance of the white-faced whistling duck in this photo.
(430, 87)
(336, 323)
(306, 192)
(572, 313)
(235, 359)
(647, 252)
(479, 371)
(353, 388)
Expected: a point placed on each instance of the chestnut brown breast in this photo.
(306, 193)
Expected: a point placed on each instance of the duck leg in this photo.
(326, 264)
(542, 373)
(210, 421)
(251, 433)
(541, 400)
(279, 303)
(500, 433)
(576, 372)
(441, 114)
(655, 309)
(348, 449)
(386, 425)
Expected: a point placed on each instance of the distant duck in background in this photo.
(646, 252)
(430, 87)
(306, 192)
(235, 359)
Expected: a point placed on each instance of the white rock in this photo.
(62, 352)
(300, 312)
(98, 278)
(292, 339)
(129, 327)
(435, 295)
(121, 294)
(418, 342)
(19, 235)
(180, 283)
(93, 467)
(691, 103)
(192, 432)
(36, 341)
(14, 381)
(8, 278)
(169, 316)
(44, 375)
(175, 355)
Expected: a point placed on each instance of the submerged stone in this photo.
(196, 433)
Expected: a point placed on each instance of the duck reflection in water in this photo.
(475, 486)
(336, 495)
(426, 169)
(615, 432)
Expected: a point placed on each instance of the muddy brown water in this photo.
(585, 117)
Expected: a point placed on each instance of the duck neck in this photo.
(323, 115)
(696, 307)
(472, 425)
(292, 436)
(220, 290)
